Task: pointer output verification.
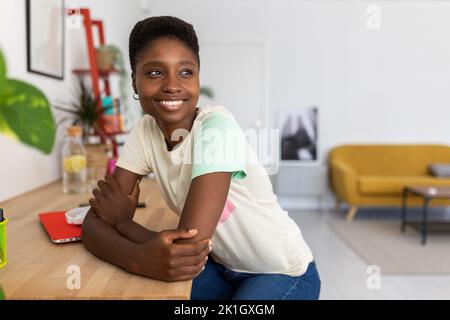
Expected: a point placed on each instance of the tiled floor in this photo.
(344, 274)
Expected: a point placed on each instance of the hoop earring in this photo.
(135, 96)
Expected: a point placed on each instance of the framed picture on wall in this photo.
(299, 135)
(45, 37)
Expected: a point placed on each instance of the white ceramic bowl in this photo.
(76, 215)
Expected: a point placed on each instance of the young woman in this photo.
(257, 252)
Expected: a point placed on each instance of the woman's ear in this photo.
(133, 82)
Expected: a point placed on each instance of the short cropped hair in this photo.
(150, 29)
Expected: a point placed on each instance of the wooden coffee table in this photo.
(428, 193)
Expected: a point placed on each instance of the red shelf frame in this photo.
(96, 74)
(101, 73)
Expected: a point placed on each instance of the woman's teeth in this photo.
(171, 103)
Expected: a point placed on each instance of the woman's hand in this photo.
(160, 258)
(110, 204)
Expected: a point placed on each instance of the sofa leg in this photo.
(351, 213)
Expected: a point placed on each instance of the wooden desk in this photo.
(37, 268)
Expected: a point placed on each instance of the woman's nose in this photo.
(171, 84)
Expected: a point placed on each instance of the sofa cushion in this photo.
(440, 170)
(394, 185)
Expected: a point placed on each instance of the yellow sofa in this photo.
(375, 175)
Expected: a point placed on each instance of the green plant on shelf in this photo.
(25, 113)
(84, 111)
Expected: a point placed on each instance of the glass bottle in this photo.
(74, 162)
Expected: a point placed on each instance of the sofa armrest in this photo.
(343, 181)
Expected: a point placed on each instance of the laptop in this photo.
(58, 229)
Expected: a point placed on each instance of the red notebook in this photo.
(58, 229)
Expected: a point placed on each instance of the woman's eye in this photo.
(153, 73)
(186, 73)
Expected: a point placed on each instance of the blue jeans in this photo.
(217, 282)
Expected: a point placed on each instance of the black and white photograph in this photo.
(299, 134)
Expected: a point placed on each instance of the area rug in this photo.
(380, 242)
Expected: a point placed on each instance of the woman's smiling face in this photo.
(167, 81)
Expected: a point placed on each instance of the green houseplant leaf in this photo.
(206, 91)
(2, 294)
(25, 113)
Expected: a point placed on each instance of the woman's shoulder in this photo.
(145, 122)
(144, 127)
(209, 112)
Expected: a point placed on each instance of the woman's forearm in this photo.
(134, 231)
(152, 259)
(105, 242)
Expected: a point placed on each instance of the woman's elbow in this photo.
(86, 230)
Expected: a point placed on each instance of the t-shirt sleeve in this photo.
(219, 146)
(132, 156)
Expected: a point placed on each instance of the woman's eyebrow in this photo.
(187, 62)
(181, 62)
(152, 62)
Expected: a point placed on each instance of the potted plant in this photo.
(84, 111)
(107, 56)
(25, 113)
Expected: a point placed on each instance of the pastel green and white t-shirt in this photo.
(254, 233)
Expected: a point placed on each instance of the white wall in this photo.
(388, 85)
(372, 86)
(23, 168)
